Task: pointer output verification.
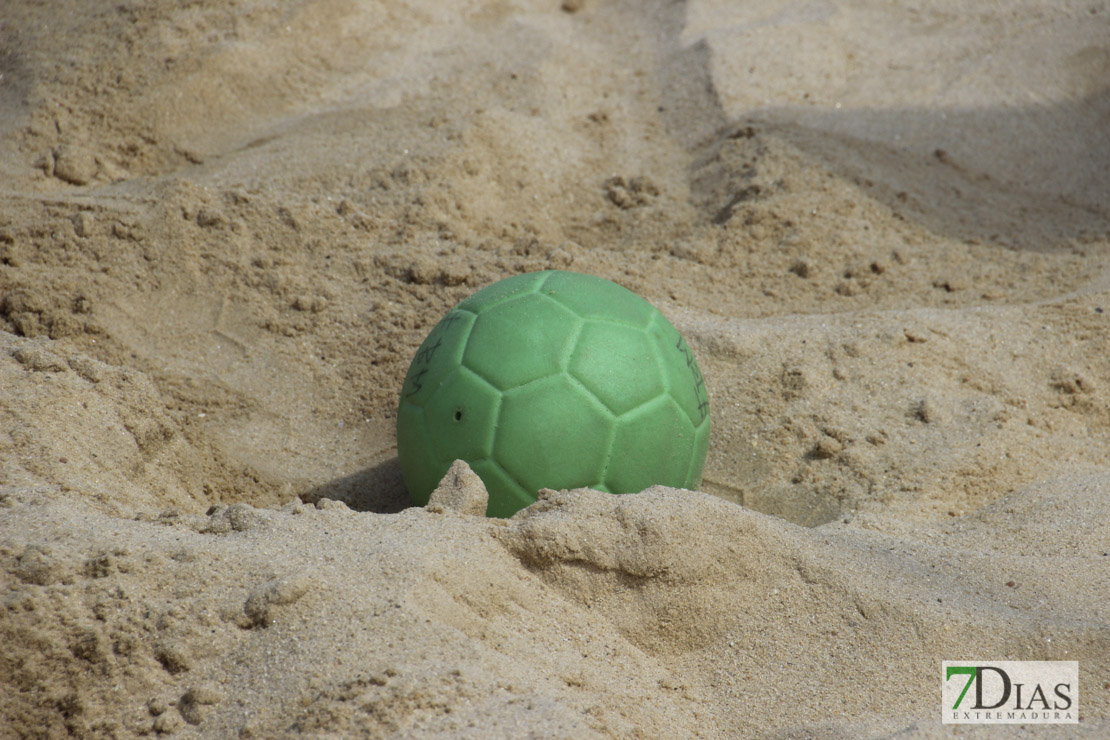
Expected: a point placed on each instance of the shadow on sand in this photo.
(1023, 177)
(379, 489)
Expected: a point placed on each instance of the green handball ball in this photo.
(553, 380)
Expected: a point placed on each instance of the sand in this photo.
(226, 226)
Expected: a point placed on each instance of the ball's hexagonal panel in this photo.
(506, 496)
(553, 434)
(415, 452)
(618, 364)
(503, 290)
(521, 340)
(701, 449)
(652, 446)
(681, 374)
(597, 298)
(462, 417)
(438, 356)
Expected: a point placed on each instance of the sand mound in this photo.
(585, 614)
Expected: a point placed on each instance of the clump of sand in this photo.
(225, 228)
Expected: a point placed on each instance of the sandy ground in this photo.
(226, 225)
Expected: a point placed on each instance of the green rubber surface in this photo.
(553, 380)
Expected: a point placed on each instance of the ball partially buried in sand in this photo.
(553, 380)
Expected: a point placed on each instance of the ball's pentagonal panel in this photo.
(462, 416)
(597, 298)
(506, 496)
(553, 434)
(618, 364)
(681, 374)
(420, 465)
(502, 290)
(521, 340)
(661, 427)
(438, 356)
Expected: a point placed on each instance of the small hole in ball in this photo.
(458, 414)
